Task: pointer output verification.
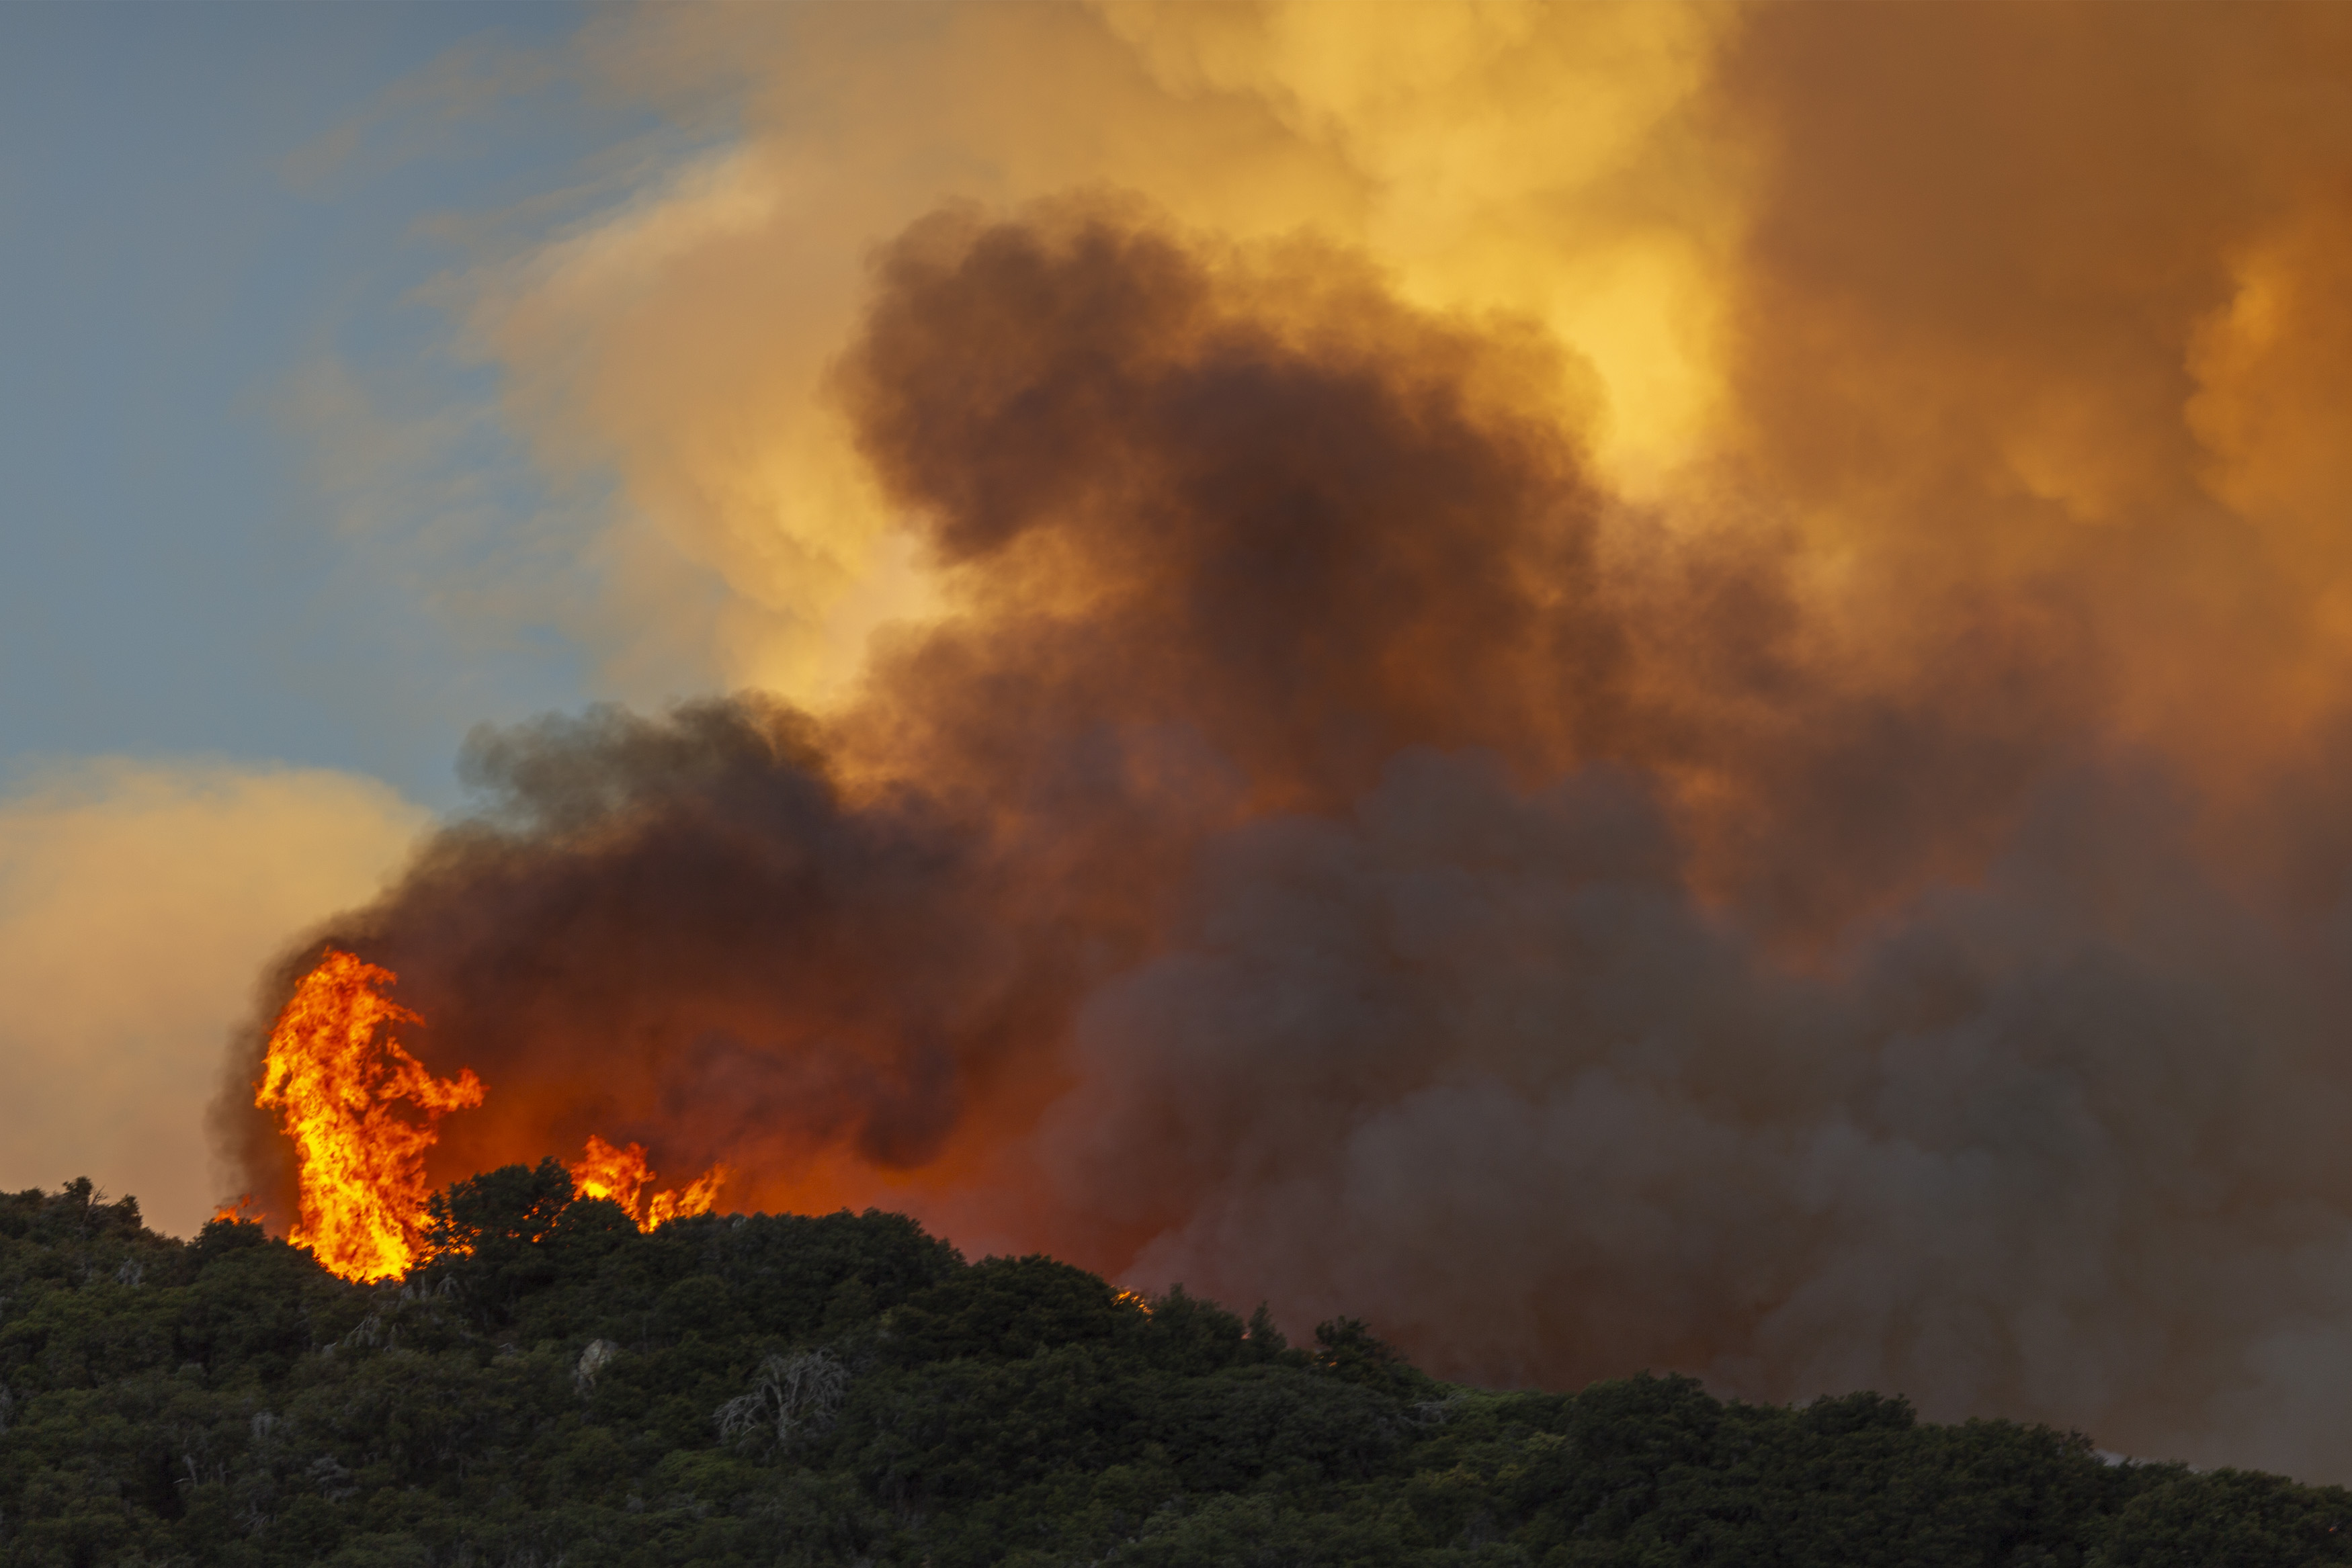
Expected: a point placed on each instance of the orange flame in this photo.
(333, 1074)
(622, 1174)
(243, 1211)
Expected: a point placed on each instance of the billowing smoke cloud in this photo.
(1204, 571)
(2062, 1143)
(1812, 861)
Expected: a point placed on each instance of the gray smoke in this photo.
(1308, 867)
(2066, 1144)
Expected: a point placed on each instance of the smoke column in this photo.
(1807, 851)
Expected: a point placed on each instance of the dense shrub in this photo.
(554, 1387)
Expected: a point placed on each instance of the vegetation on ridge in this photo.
(553, 1387)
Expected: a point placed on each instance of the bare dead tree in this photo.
(798, 1395)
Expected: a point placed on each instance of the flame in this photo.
(334, 1074)
(244, 1211)
(622, 1174)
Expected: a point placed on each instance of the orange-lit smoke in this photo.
(334, 1074)
(199, 870)
(1620, 686)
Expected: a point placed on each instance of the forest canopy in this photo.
(551, 1386)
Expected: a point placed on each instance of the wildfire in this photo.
(242, 1211)
(623, 1176)
(334, 1075)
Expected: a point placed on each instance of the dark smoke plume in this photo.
(1331, 853)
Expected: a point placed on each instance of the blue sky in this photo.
(252, 483)
(203, 211)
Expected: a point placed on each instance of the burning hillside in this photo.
(337, 1078)
(1857, 905)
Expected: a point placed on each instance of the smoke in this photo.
(1541, 161)
(1690, 722)
(2058, 1144)
(137, 900)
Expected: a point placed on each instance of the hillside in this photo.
(556, 1387)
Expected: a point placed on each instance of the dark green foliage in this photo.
(1004, 1308)
(1346, 1349)
(547, 1388)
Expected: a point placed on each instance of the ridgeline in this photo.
(554, 1387)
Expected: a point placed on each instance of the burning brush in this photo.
(334, 1076)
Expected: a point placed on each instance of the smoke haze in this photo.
(1621, 686)
(137, 900)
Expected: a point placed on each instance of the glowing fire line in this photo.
(337, 1078)
(622, 1174)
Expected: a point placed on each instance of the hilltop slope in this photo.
(556, 1387)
